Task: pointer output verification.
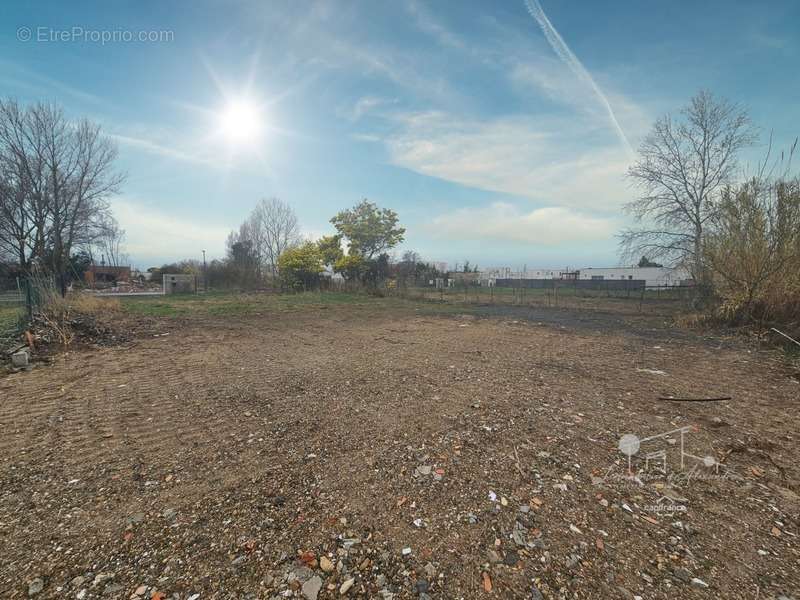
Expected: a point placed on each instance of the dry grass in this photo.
(59, 314)
(89, 304)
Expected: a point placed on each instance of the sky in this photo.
(500, 132)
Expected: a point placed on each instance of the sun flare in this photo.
(241, 122)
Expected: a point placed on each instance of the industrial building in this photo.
(651, 276)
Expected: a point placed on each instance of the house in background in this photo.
(103, 275)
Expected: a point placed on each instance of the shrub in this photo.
(754, 253)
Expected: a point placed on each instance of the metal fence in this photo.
(12, 291)
(559, 293)
(29, 292)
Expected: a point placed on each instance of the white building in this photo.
(508, 273)
(653, 276)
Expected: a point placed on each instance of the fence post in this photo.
(29, 299)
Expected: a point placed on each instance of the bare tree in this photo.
(683, 165)
(80, 163)
(24, 209)
(15, 227)
(273, 229)
(57, 176)
(108, 241)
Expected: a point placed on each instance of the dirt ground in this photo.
(394, 452)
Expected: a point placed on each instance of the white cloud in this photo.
(164, 150)
(15, 75)
(429, 25)
(549, 159)
(155, 236)
(504, 222)
(367, 104)
(366, 137)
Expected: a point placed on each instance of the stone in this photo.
(421, 586)
(345, 587)
(698, 583)
(170, 514)
(625, 593)
(19, 360)
(423, 470)
(101, 578)
(493, 557)
(112, 589)
(430, 570)
(326, 564)
(35, 586)
(135, 518)
(683, 574)
(78, 581)
(301, 574)
(140, 591)
(519, 537)
(312, 587)
(511, 558)
(573, 560)
(536, 594)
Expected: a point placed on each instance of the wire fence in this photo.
(27, 292)
(555, 293)
(11, 291)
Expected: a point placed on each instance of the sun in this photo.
(241, 122)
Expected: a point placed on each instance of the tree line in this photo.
(268, 250)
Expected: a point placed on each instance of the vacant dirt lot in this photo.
(371, 451)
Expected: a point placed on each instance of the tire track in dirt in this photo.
(215, 422)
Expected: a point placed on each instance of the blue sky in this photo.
(499, 135)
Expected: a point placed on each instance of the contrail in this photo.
(565, 54)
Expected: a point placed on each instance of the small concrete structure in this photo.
(21, 358)
(180, 283)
